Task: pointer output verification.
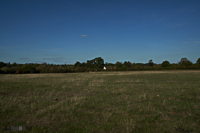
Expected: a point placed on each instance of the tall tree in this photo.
(99, 62)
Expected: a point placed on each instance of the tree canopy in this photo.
(165, 64)
(95, 64)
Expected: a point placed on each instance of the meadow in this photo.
(102, 102)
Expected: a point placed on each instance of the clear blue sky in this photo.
(66, 31)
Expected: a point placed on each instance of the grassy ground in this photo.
(110, 102)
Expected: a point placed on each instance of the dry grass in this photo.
(141, 101)
(149, 72)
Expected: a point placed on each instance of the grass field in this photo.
(102, 102)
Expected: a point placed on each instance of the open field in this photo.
(102, 102)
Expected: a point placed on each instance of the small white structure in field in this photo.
(104, 68)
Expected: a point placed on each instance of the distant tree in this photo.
(8, 64)
(185, 62)
(133, 65)
(139, 64)
(198, 61)
(2, 64)
(111, 64)
(28, 68)
(90, 64)
(165, 64)
(10, 70)
(77, 64)
(126, 65)
(118, 65)
(96, 63)
(106, 64)
(150, 63)
(44, 64)
(82, 69)
(83, 64)
(14, 64)
(99, 62)
(129, 64)
(5, 69)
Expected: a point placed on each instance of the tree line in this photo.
(96, 64)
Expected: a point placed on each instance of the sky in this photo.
(66, 31)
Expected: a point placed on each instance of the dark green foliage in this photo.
(77, 64)
(150, 63)
(14, 64)
(1, 72)
(111, 64)
(185, 62)
(127, 64)
(2, 64)
(133, 65)
(9, 70)
(118, 65)
(28, 68)
(95, 64)
(99, 62)
(83, 64)
(8, 64)
(106, 64)
(165, 64)
(198, 61)
(90, 64)
(81, 69)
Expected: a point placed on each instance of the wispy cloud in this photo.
(178, 25)
(192, 42)
(51, 58)
(24, 58)
(50, 50)
(13, 47)
(197, 42)
(84, 35)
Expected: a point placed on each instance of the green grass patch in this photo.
(146, 101)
